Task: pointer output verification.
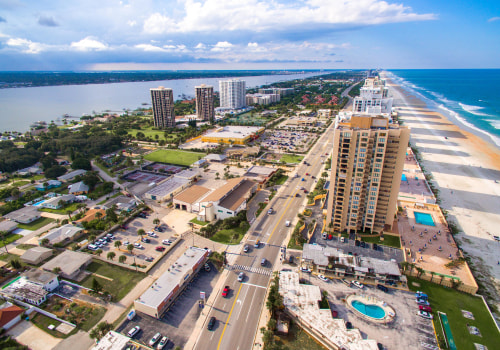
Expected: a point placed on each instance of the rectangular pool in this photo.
(39, 203)
(403, 177)
(424, 218)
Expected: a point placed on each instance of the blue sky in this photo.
(248, 34)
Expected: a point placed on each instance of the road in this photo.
(238, 314)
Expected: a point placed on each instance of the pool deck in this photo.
(390, 313)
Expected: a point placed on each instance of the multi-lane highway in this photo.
(238, 314)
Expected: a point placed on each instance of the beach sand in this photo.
(464, 168)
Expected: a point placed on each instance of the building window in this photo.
(369, 212)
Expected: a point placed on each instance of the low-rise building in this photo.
(48, 185)
(167, 189)
(70, 263)
(32, 286)
(212, 157)
(9, 315)
(24, 215)
(233, 134)
(63, 234)
(58, 202)
(36, 255)
(334, 262)
(156, 299)
(189, 198)
(7, 226)
(78, 188)
(70, 176)
(113, 341)
(127, 206)
(260, 174)
(188, 174)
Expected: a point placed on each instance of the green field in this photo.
(122, 279)
(35, 225)
(298, 339)
(231, 236)
(174, 157)
(291, 158)
(9, 239)
(151, 132)
(389, 240)
(451, 302)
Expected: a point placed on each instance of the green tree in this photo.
(100, 330)
(130, 248)
(156, 221)
(118, 244)
(141, 232)
(56, 270)
(111, 255)
(96, 286)
(111, 215)
(98, 252)
(122, 258)
(3, 236)
(16, 264)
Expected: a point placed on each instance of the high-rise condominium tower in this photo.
(205, 102)
(232, 93)
(163, 107)
(367, 163)
(373, 98)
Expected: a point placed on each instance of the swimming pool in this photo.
(39, 203)
(424, 218)
(369, 310)
(403, 177)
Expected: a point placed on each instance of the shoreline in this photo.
(464, 168)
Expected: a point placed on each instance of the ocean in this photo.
(469, 96)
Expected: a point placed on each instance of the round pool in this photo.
(370, 310)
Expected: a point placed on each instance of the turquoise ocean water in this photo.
(470, 96)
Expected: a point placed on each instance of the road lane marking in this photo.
(256, 285)
(229, 317)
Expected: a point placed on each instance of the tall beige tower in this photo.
(163, 107)
(367, 163)
(205, 103)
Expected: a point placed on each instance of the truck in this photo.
(287, 223)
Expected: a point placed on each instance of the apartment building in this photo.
(367, 163)
(373, 98)
(162, 100)
(205, 103)
(262, 99)
(232, 93)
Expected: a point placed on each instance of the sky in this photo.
(248, 34)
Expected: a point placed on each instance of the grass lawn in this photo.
(451, 302)
(231, 236)
(291, 158)
(198, 222)
(292, 245)
(72, 207)
(25, 246)
(298, 339)
(103, 168)
(171, 156)
(43, 322)
(389, 240)
(150, 132)
(9, 239)
(281, 180)
(123, 280)
(35, 225)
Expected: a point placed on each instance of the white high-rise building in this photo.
(232, 93)
(373, 98)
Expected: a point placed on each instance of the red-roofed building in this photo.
(9, 316)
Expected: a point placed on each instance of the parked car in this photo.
(356, 243)
(138, 246)
(362, 244)
(305, 269)
(145, 240)
(382, 288)
(422, 302)
(131, 333)
(211, 323)
(225, 292)
(155, 338)
(357, 284)
(166, 242)
(148, 258)
(241, 277)
(335, 314)
(342, 239)
(425, 308)
(207, 267)
(270, 211)
(287, 223)
(425, 314)
(375, 246)
(348, 325)
(421, 295)
(92, 247)
(323, 278)
(160, 248)
(162, 343)
(290, 259)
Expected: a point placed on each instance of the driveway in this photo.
(253, 205)
(30, 335)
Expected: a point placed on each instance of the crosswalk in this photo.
(252, 269)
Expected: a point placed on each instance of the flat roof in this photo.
(164, 287)
(112, 341)
(213, 156)
(62, 233)
(192, 194)
(187, 174)
(236, 132)
(35, 252)
(222, 191)
(71, 175)
(39, 276)
(23, 214)
(261, 170)
(167, 187)
(68, 261)
(236, 197)
(7, 225)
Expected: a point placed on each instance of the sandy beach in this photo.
(466, 169)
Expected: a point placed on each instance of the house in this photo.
(127, 206)
(46, 279)
(7, 226)
(228, 200)
(70, 176)
(36, 255)
(71, 264)
(48, 185)
(32, 170)
(188, 199)
(58, 202)
(10, 315)
(24, 215)
(63, 234)
(32, 286)
(78, 188)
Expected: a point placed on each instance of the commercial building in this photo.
(36, 255)
(167, 190)
(262, 99)
(333, 262)
(162, 100)
(24, 215)
(156, 299)
(71, 264)
(261, 174)
(233, 134)
(63, 234)
(232, 93)
(373, 98)
(367, 163)
(205, 103)
(188, 199)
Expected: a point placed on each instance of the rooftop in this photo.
(224, 190)
(26, 289)
(69, 262)
(166, 284)
(23, 214)
(7, 225)
(187, 174)
(236, 132)
(71, 175)
(216, 157)
(192, 194)
(34, 253)
(39, 276)
(60, 234)
(7, 314)
(78, 187)
(261, 170)
(112, 341)
(167, 187)
(237, 196)
(55, 200)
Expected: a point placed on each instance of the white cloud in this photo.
(149, 48)
(200, 46)
(494, 19)
(132, 23)
(26, 45)
(216, 15)
(222, 46)
(88, 44)
(253, 45)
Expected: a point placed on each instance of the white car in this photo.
(138, 246)
(241, 277)
(357, 284)
(155, 338)
(166, 242)
(323, 278)
(162, 343)
(424, 314)
(126, 243)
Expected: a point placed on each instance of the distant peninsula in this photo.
(34, 79)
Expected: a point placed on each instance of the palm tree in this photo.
(98, 252)
(141, 232)
(91, 238)
(68, 212)
(118, 244)
(130, 248)
(122, 258)
(111, 255)
(156, 221)
(420, 271)
(98, 215)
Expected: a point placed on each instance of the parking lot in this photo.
(382, 252)
(179, 321)
(407, 331)
(296, 141)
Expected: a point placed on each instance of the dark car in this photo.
(356, 243)
(160, 248)
(145, 240)
(211, 323)
(362, 244)
(348, 325)
(375, 246)
(290, 259)
(383, 288)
